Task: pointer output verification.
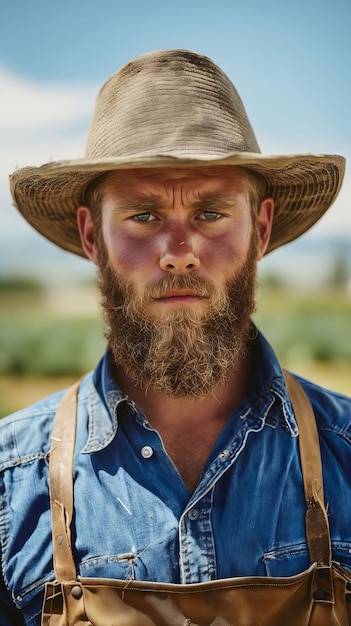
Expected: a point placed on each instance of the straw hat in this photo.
(173, 108)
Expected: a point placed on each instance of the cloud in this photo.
(39, 122)
(42, 121)
(28, 106)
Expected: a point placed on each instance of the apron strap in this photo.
(61, 483)
(61, 480)
(317, 526)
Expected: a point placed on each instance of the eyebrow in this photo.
(213, 202)
(205, 202)
(138, 205)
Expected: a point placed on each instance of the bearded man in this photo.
(184, 481)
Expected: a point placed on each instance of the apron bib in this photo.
(319, 596)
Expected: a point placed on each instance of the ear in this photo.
(87, 232)
(264, 223)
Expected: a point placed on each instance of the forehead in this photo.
(217, 179)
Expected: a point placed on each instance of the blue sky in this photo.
(290, 61)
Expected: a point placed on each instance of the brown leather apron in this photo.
(320, 596)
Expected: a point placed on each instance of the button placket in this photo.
(197, 549)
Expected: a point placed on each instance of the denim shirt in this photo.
(134, 517)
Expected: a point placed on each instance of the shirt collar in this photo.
(268, 378)
(267, 387)
(105, 396)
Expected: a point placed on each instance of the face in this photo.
(177, 253)
(170, 221)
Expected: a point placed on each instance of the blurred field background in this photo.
(51, 336)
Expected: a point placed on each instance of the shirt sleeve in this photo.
(9, 614)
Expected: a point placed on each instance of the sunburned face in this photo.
(177, 254)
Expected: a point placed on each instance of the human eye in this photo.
(210, 216)
(143, 217)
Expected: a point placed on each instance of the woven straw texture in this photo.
(173, 108)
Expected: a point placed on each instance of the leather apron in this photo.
(319, 596)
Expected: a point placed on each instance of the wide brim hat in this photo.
(174, 108)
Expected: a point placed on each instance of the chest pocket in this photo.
(320, 596)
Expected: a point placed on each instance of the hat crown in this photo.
(172, 102)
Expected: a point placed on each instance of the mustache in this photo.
(175, 282)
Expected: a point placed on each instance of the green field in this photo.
(49, 338)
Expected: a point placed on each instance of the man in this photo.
(187, 467)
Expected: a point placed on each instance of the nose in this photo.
(179, 255)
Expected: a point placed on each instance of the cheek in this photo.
(228, 250)
(130, 254)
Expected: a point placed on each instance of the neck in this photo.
(171, 411)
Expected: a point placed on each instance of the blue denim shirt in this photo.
(134, 517)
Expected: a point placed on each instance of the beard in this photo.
(183, 352)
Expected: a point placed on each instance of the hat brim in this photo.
(303, 187)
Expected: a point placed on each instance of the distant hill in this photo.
(310, 260)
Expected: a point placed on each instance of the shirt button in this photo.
(147, 452)
(130, 408)
(193, 514)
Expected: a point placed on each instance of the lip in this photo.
(180, 296)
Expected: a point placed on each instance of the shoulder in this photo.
(26, 434)
(332, 409)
